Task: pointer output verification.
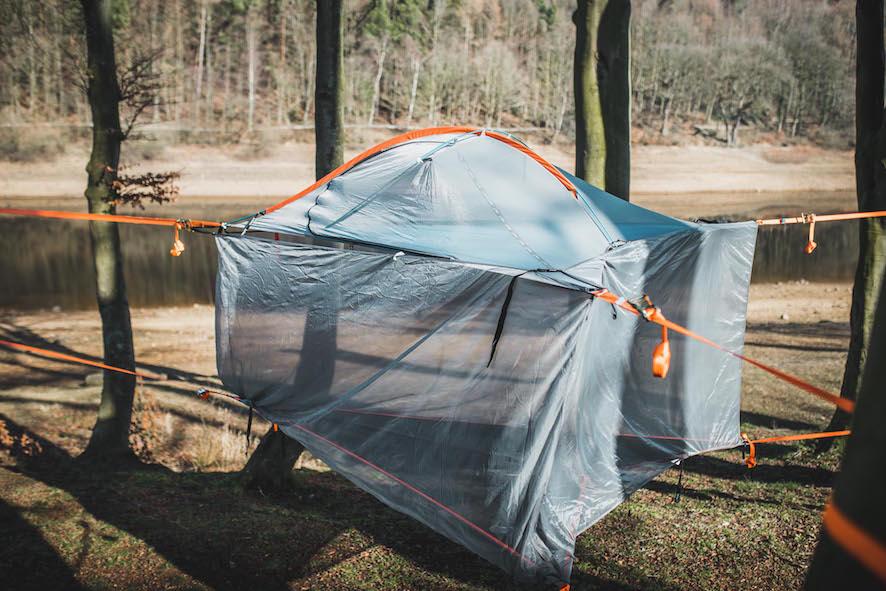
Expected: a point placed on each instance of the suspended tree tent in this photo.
(423, 320)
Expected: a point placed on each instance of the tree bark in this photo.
(603, 94)
(328, 109)
(861, 484)
(870, 183)
(270, 465)
(110, 436)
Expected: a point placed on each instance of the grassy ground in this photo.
(181, 522)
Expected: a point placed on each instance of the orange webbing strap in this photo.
(855, 541)
(419, 133)
(106, 217)
(178, 246)
(72, 359)
(842, 403)
(811, 218)
(751, 460)
(201, 392)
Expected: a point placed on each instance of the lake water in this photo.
(47, 263)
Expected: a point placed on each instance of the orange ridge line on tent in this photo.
(842, 403)
(855, 541)
(411, 135)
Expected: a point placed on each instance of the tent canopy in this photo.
(422, 321)
(470, 197)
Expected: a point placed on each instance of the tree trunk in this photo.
(201, 52)
(252, 51)
(603, 94)
(271, 463)
(870, 184)
(282, 77)
(210, 71)
(861, 484)
(179, 60)
(328, 109)
(416, 70)
(376, 85)
(110, 436)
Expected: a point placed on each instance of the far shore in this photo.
(684, 181)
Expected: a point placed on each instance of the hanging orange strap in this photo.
(658, 318)
(862, 546)
(751, 459)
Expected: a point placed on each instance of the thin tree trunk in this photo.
(179, 61)
(201, 52)
(329, 130)
(210, 72)
(416, 70)
(376, 85)
(152, 30)
(603, 94)
(110, 436)
(227, 88)
(870, 183)
(432, 61)
(32, 63)
(251, 51)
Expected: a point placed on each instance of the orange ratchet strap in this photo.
(658, 318)
(751, 460)
(862, 546)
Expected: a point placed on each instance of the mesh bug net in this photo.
(424, 323)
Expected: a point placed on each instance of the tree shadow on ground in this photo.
(188, 381)
(38, 567)
(767, 473)
(209, 529)
(771, 422)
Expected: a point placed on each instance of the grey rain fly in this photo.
(423, 324)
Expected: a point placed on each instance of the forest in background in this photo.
(726, 70)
